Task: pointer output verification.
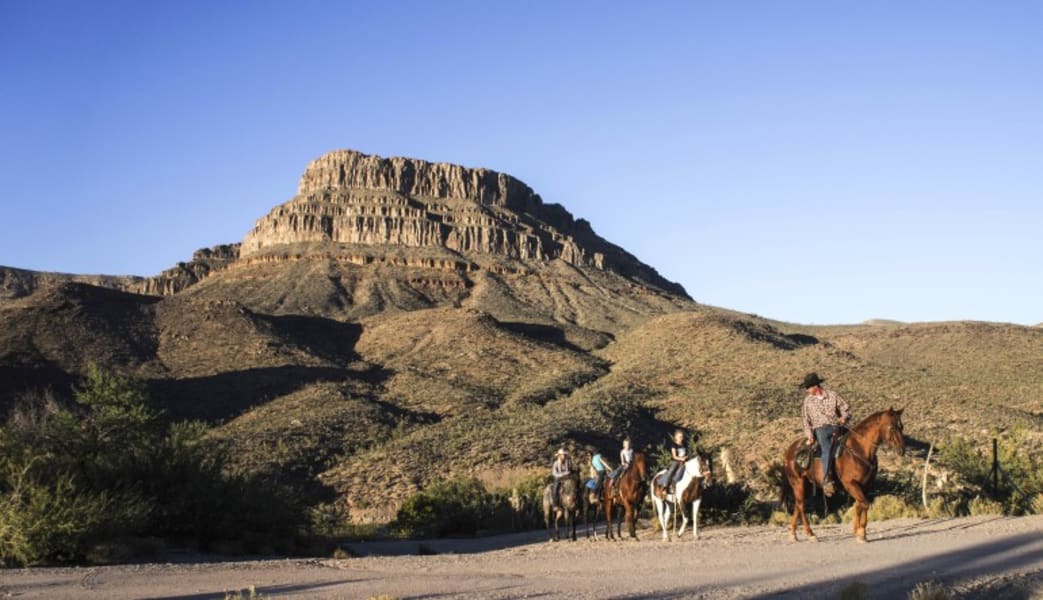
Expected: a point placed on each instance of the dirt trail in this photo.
(983, 557)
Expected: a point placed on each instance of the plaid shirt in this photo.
(823, 410)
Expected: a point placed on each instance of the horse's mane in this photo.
(877, 415)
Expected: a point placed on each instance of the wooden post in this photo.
(995, 467)
(926, 466)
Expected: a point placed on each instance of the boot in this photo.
(828, 488)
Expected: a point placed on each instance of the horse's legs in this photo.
(684, 519)
(661, 515)
(695, 517)
(798, 511)
(861, 510)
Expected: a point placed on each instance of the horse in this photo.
(855, 467)
(568, 507)
(688, 492)
(628, 490)
(592, 501)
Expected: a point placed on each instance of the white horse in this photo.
(697, 474)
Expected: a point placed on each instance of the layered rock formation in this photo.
(17, 283)
(346, 197)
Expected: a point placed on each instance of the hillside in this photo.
(399, 321)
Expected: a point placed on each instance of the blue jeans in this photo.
(824, 435)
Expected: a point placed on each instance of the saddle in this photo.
(661, 479)
(806, 454)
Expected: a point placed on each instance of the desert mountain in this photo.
(399, 321)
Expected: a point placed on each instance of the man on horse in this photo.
(823, 411)
(560, 469)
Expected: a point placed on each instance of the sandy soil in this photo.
(984, 557)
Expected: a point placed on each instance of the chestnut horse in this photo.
(698, 473)
(627, 490)
(854, 468)
(568, 507)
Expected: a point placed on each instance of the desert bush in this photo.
(329, 519)
(1037, 504)
(888, 507)
(76, 479)
(929, 590)
(1022, 481)
(979, 507)
(452, 507)
(734, 503)
(941, 508)
(53, 519)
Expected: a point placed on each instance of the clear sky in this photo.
(815, 162)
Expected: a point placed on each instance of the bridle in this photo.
(886, 436)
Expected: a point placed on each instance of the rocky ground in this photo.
(980, 557)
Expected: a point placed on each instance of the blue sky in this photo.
(815, 162)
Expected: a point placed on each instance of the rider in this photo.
(678, 456)
(601, 468)
(560, 469)
(626, 456)
(823, 410)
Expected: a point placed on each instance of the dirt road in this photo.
(984, 557)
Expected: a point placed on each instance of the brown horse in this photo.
(855, 467)
(627, 490)
(698, 473)
(568, 507)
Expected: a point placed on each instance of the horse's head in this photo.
(700, 466)
(639, 466)
(892, 430)
(706, 462)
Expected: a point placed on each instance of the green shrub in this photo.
(733, 503)
(890, 507)
(78, 481)
(940, 508)
(1017, 487)
(454, 507)
(1037, 504)
(984, 507)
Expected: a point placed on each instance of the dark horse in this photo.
(627, 490)
(855, 467)
(568, 507)
(592, 502)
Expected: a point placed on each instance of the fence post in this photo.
(926, 467)
(995, 467)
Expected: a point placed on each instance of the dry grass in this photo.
(380, 407)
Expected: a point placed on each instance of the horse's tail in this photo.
(777, 473)
(786, 497)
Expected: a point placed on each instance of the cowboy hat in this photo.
(811, 380)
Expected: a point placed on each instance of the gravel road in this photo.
(983, 557)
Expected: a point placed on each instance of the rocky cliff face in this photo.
(346, 197)
(17, 283)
